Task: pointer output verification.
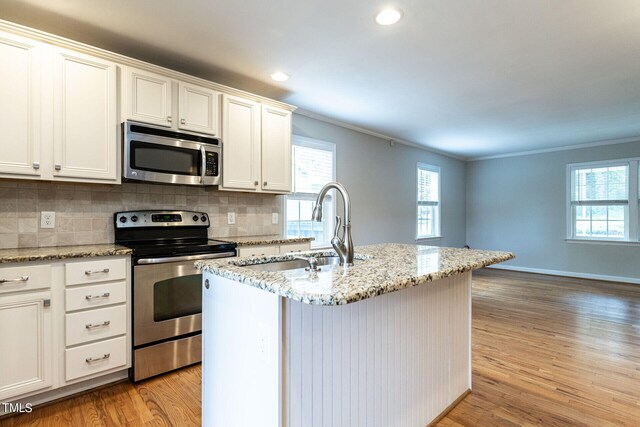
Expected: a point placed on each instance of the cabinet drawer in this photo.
(96, 324)
(24, 278)
(97, 357)
(294, 247)
(78, 273)
(258, 251)
(95, 295)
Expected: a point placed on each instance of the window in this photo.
(314, 164)
(428, 201)
(603, 200)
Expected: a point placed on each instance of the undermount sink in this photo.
(294, 264)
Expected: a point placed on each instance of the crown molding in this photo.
(323, 118)
(563, 148)
(62, 42)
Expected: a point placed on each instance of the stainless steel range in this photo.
(167, 294)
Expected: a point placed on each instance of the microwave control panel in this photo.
(212, 164)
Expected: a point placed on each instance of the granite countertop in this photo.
(273, 239)
(60, 252)
(388, 268)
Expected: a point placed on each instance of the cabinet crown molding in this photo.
(59, 41)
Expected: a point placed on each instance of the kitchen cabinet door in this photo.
(85, 140)
(149, 97)
(26, 346)
(276, 150)
(20, 107)
(241, 144)
(199, 109)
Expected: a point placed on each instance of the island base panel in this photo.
(399, 359)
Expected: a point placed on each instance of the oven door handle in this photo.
(146, 261)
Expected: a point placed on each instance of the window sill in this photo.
(422, 239)
(604, 242)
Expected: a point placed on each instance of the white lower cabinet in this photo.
(26, 346)
(62, 323)
(95, 358)
(92, 325)
(96, 317)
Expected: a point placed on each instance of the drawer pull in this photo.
(91, 360)
(92, 297)
(22, 279)
(99, 325)
(90, 272)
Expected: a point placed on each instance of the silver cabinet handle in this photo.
(36, 165)
(58, 167)
(99, 325)
(90, 360)
(22, 279)
(183, 122)
(90, 272)
(92, 297)
(169, 119)
(203, 164)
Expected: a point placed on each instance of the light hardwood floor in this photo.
(546, 351)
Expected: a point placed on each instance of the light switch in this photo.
(231, 218)
(274, 218)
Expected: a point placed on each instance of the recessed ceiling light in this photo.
(279, 76)
(389, 16)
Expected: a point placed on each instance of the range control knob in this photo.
(123, 219)
(203, 218)
(195, 218)
(134, 219)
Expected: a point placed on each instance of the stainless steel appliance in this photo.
(167, 294)
(156, 154)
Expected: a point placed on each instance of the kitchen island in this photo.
(385, 342)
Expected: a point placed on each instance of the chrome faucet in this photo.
(342, 245)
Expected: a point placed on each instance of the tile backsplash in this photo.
(84, 212)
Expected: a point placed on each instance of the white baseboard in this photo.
(567, 274)
(60, 393)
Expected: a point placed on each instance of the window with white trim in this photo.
(314, 165)
(603, 200)
(428, 201)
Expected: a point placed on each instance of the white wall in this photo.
(381, 181)
(519, 204)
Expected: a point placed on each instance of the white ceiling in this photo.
(471, 78)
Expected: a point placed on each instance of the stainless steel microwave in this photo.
(156, 154)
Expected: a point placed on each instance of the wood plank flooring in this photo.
(547, 351)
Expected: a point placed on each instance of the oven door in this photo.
(169, 160)
(167, 297)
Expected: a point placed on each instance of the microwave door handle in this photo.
(203, 164)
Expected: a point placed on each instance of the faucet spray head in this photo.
(317, 212)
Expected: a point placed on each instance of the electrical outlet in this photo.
(274, 218)
(231, 218)
(47, 219)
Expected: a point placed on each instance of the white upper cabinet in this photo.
(276, 149)
(85, 124)
(256, 147)
(62, 104)
(159, 100)
(19, 107)
(241, 144)
(148, 97)
(198, 109)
